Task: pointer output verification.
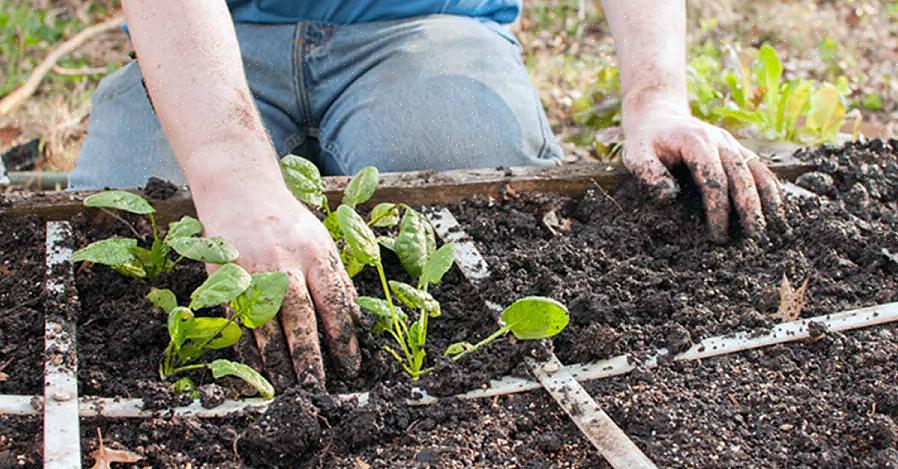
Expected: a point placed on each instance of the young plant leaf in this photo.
(387, 242)
(378, 308)
(826, 114)
(304, 180)
(221, 368)
(110, 251)
(120, 200)
(163, 299)
(385, 215)
(209, 250)
(437, 265)
(180, 322)
(535, 317)
(458, 348)
(186, 227)
(361, 187)
(225, 284)
(350, 263)
(770, 72)
(413, 244)
(358, 236)
(414, 298)
(220, 332)
(183, 385)
(262, 300)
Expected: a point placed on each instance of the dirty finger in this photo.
(334, 297)
(768, 189)
(744, 193)
(642, 162)
(704, 163)
(301, 330)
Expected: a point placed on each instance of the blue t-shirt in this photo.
(359, 11)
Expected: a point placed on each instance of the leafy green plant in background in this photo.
(252, 301)
(127, 258)
(760, 99)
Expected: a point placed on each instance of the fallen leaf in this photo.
(792, 300)
(556, 225)
(360, 464)
(4, 270)
(3, 376)
(104, 457)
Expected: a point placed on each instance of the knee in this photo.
(441, 122)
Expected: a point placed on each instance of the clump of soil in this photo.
(826, 403)
(651, 277)
(22, 269)
(21, 440)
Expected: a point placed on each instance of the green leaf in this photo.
(111, 251)
(225, 284)
(220, 332)
(739, 115)
(184, 384)
(163, 299)
(385, 215)
(350, 263)
(120, 200)
(792, 103)
(770, 72)
(826, 114)
(415, 241)
(457, 348)
(361, 187)
(437, 265)
(358, 236)
(221, 368)
(379, 308)
(416, 336)
(304, 180)
(209, 250)
(180, 322)
(387, 242)
(414, 298)
(333, 226)
(186, 227)
(535, 317)
(262, 300)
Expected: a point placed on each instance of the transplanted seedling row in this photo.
(415, 246)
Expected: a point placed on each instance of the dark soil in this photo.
(21, 440)
(21, 305)
(830, 403)
(305, 431)
(638, 276)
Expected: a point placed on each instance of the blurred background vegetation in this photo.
(837, 61)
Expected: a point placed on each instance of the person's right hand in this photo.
(274, 232)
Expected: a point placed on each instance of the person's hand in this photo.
(661, 134)
(274, 232)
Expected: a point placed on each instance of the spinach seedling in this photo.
(409, 336)
(529, 318)
(252, 301)
(127, 258)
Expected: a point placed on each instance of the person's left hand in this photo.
(661, 134)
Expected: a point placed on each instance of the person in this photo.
(228, 87)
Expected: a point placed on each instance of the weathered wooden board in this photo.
(416, 188)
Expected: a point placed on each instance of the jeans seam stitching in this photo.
(299, 82)
(336, 153)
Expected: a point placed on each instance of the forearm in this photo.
(650, 39)
(189, 57)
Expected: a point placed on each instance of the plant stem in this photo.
(495, 335)
(184, 368)
(397, 324)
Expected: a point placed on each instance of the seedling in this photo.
(529, 318)
(760, 98)
(127, 258)
(252, 301)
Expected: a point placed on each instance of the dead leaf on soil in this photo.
(556, 225)
(104, 456)
(792, 300)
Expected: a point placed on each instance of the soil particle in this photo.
(817, 182)
(677, 339)
(288, 429)
(159, 189)
(211, 395)
(21, 305)
(21, 440)
(549, 442)
(816, 329)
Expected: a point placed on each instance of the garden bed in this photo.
(637, 277)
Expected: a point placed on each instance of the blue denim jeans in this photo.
(436, 92)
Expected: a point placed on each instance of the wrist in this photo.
(648, 97)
